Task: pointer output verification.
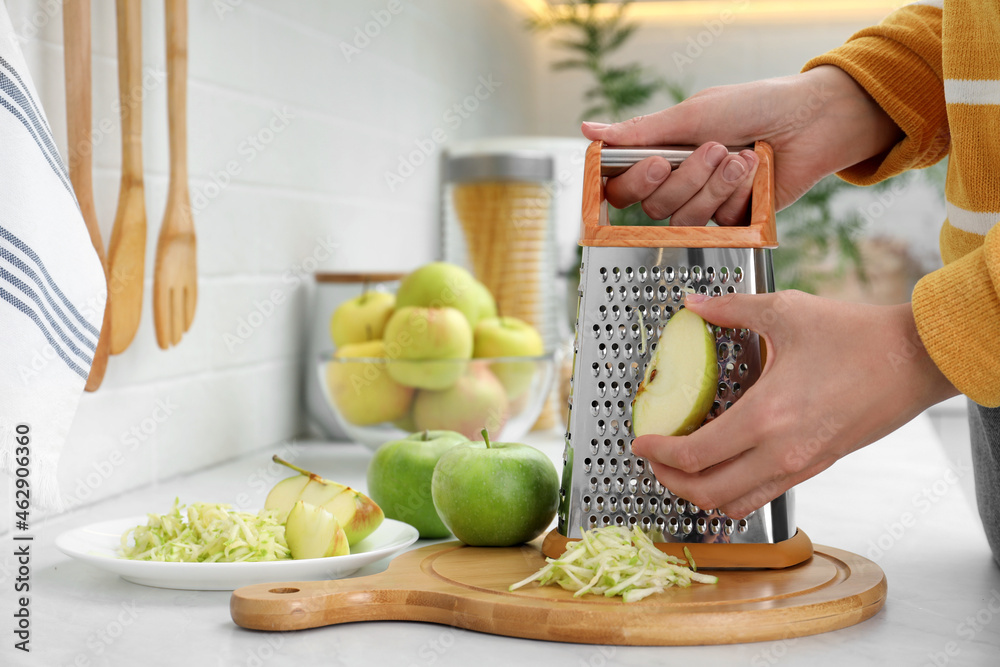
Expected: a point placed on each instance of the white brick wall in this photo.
(319, 181)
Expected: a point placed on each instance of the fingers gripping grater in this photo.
(631, 271)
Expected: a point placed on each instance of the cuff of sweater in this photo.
(914, 100)
(957, 312)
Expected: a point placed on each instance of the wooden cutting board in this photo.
(466, 587)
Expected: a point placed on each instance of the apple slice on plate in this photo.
(356, 513)
(312, 532)
(681, 379)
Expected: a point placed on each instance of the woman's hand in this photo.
(818, 123)
(838, 376)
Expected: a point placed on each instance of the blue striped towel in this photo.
(52, 287)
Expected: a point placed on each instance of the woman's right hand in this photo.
(818, 123)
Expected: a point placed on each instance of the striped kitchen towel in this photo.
(52, 287)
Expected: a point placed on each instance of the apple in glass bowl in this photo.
(372, 407)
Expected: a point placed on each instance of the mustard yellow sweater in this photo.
(934, 66)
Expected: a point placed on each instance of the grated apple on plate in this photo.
(213, 533)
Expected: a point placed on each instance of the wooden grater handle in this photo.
(760, 233)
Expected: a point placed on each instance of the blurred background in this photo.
(320, 136)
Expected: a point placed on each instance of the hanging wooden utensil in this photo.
(127, 250)
(175, 277)
(76, 51)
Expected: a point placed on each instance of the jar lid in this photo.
(509, 166)
(327, 277)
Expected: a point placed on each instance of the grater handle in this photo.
(761, 232)
(616, 160)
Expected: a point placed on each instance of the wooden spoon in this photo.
(76, 38)
(175, 278)
(127, 251)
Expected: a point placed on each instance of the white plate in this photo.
(98, 544)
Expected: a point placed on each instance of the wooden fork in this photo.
(175, 278)
(76, 39)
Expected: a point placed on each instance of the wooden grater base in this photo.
(793, 551)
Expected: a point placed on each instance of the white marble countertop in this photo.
(941, 579)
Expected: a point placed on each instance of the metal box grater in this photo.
(628, 271)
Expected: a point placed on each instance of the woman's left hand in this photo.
(838, 376)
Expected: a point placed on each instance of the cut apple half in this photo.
(681, 379)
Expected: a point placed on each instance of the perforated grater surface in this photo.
(631, 271)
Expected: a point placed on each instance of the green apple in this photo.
(486, 304)
(476, 398)
(440, 285)
(364, 392)
(495, 494)
(681, 379)
(418, 337)
(357, 514)
(399, 479)
(312, 532)
(509, 337)
(362, 318)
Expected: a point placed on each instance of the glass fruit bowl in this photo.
(375, 400)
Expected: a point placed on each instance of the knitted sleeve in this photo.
(957, 310)
(899, 63)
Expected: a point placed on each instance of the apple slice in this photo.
(358, 514)
(284, 494)
(320, 491)
(312, 532)
(681, 379)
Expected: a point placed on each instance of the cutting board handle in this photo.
(760, 233)
(404, 592)
(297, 605)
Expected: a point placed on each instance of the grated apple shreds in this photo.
(615, 561)
(213, 533)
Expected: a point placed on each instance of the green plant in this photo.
(809, 229)
(618, 90)
(813, 228)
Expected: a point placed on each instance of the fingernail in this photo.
(658, 171)
(716, 154)
(696, 298)
(750, 157)
(734, 171)
(590, 125)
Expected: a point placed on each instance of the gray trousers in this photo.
(984, 425)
